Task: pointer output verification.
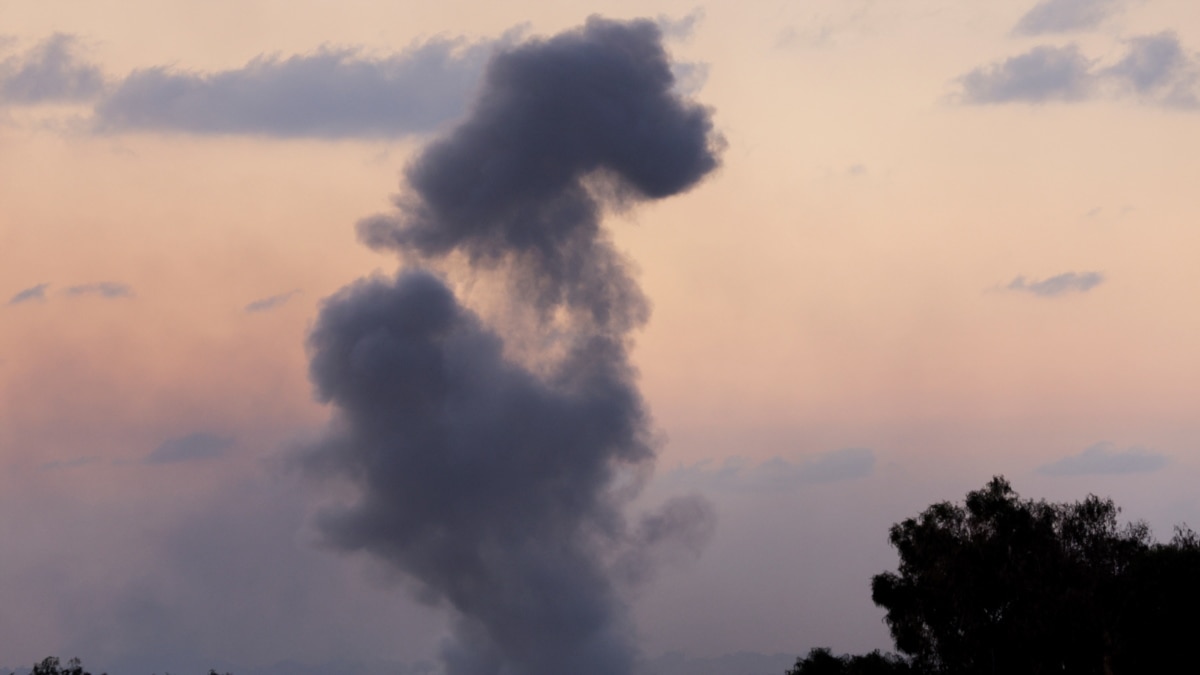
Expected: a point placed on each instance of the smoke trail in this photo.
(496, 486)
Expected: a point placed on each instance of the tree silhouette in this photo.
(52, 666)
(1157, 619)
(1001, 584)
(821, 661)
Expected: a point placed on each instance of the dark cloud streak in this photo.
(330, 93)
(1061, 284)
(35, 293)
(270, 303)
(105, 289)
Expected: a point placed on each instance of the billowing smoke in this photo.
(497, 484)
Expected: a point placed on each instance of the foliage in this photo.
(52, 666)
(1157, 620)
(821, 661)
(1000, 584)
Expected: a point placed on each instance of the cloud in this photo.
(502, 486)
(104, 289)
(1062, 16)
(1155, 68)
(682, 28)
(33, 293)
(777, 474)
(196, 446)
(1104, 458)
(1038, 76)
(330, 93)
(50, 72)
(273, 302)
(1068, 282)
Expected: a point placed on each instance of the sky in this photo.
(946, 240)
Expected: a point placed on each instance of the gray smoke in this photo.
(501, 487)
(517, 182)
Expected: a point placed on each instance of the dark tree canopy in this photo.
(51, 665)
(1158, 614)
(821, 661)
(1001, 584)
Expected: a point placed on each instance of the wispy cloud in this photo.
(680, 28)
(777, 474)
(330, 93)
(1063, 16)
(32, 294)
(1158, 68)
(272, 302)
(1068, 282)
(1155, 68)
(1104, 458)
(104, 289)
(1043, 74)
(196, 446)
(50, 72)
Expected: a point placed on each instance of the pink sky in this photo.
(939, 248)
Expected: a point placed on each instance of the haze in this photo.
(945, 240)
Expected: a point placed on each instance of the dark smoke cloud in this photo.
(482, 481)
(511, 185)
(500, 487)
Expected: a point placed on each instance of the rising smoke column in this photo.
(498, 486)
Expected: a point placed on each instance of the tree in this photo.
(1157, 622)
(1000, 584)
(821, 661)
(52, 666)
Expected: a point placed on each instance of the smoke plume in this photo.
(498, 485)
